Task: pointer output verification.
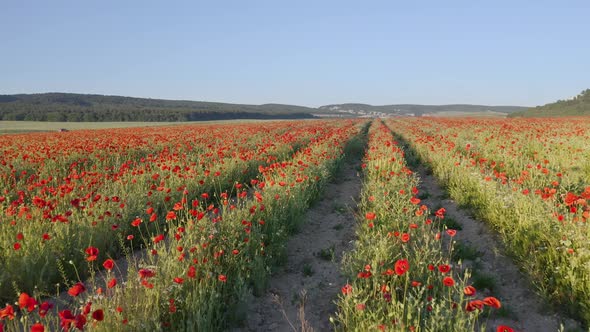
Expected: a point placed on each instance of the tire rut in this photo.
(524, 309)
(312, 276)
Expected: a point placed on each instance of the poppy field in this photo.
(173, 228)
(529, 180)
(74, 202)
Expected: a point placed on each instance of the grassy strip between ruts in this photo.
(401, 270)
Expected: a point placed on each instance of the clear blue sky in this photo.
(299, 52)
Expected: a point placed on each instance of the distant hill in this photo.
(415, 110)
(72, 107)
(577, 106)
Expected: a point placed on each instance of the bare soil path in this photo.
(524, 309)
(313, 262)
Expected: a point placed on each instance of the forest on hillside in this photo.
(576, 106)
(70, 107)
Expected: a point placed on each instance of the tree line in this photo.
(576, 106)
(97, 108)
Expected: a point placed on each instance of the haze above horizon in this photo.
(308, 53)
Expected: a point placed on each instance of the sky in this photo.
(301, 52)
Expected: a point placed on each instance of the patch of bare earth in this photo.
(303, 291)
(524, 310)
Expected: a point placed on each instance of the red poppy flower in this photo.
(92, 253)
(448, 281)
(37, 327)
(77, 289)
(370, 216)
(109, 264)
(444, 268)
(347, 289)
(504, 328)
(98, 315)
(192, 272)
(146, 273)
(222, 278)
(24, 300)
(67, 318)
(171, 306)
(158, 238)
(44, 308)
(87, 308)
(570, 199)
(405, 237)
(475, 304)
(80, 322)
(136, 222)
(388, 272)
(469, 291)
(440, 213)
(401, 266)
(492, 302)
(7, 312)
(112, 283)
